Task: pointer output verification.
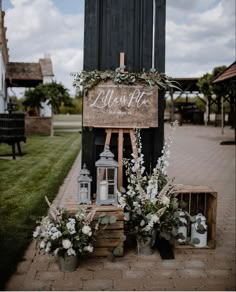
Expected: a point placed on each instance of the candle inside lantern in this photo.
(103, 190)
(83, 194)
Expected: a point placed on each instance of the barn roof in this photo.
(228, 73)
(20, 74)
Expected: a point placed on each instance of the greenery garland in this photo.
(86, 80)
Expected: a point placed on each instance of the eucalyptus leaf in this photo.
(123, 238)
(102, 215)
(195, 241)
(112, 219)
(201, 229)
(118, 251)
(192, 218)
(105, 220)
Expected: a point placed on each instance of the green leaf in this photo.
(102, 215)
(104, 220)
(118, 251)
(201, 229)
(112, 219)
(195, 241)
(192, 218)
(123, 238)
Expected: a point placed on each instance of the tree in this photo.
(52, 93)
(208, 89)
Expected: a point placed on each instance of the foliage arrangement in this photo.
(86, 80)
(150, 207)
(60, 233)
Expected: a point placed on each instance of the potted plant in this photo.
(150, 207)
(66, 236)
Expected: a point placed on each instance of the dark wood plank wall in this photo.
(111, 27)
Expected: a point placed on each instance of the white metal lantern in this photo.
(106, 178)
(199, 231)
(84, 186)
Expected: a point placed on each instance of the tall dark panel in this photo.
(114, 26)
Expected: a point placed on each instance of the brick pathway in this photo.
(197, 158)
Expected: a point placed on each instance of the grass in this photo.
(23, 185)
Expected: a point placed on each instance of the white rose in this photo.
(86, 230)
(66, 243)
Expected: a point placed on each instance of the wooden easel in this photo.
(121, 132)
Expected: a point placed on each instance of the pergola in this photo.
(228, 77)
(186, 85)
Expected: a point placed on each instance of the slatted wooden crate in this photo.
(111, 236)
(200, 199)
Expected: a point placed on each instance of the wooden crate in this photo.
(111, 236)
(200, 199)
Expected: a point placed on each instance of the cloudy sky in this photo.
(200, 35)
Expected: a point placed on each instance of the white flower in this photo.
(42, 244)
(88, 248)
(155, 218)
(48, 247)
(37, 231)
(126, 216)
(165, 200)
(56, 235)
(71, 252)
(86, 230)
(142, 223)
(71, 227)
(66, 243)
(56, 251)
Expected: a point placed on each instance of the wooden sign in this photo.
(110, 105)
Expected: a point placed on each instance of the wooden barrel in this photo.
(12, 126)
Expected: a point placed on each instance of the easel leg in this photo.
(108, 137)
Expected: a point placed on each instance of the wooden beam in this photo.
(120, 157)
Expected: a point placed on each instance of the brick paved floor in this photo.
(197, 158)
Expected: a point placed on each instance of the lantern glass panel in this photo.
(102, 173)
(111, 190)
(110, 174)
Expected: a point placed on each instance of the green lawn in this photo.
(23, 184)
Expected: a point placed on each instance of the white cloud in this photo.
(36, 27)
(203, 40)
(200, 35)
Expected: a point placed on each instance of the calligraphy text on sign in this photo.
(122, 106)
